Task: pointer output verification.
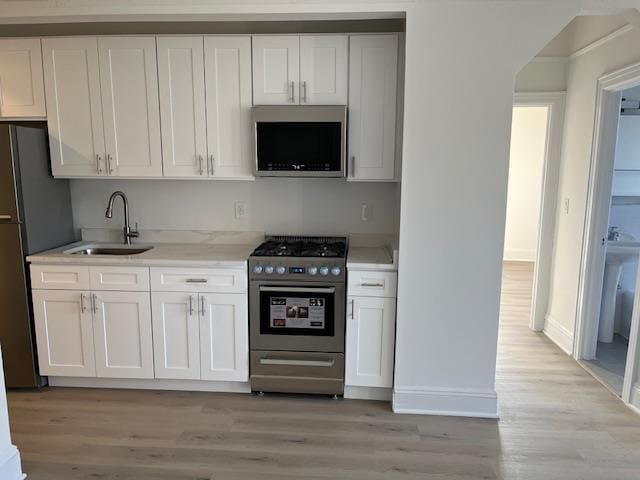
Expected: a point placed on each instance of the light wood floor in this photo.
(556, 422)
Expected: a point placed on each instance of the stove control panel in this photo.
(265, 268)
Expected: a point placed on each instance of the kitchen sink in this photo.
(111, 251)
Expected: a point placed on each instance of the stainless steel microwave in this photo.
(300, 141)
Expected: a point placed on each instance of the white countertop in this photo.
(162, 254)
(371, 258)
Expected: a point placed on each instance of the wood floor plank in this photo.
(556, 422)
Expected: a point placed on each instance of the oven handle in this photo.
(299, 289)
(297, 363)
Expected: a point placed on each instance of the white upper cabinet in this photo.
(292, 70)
(74, 108)
(129, 84)
(182, 106)
(122, 334)
(373, 76)
(323, 69)
(21, 82)
(276, 69)
(228, 87)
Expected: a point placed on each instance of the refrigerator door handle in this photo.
(5, 218)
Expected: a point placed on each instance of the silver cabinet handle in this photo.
(211, 162)
(352, 302)
(5, 218)
(202, 306)
(298, 363)
(196, 280)
(303, 88)
(109, 164)
(83, 307)
(99, 164)
(200, 160)
(372, 285)
(293, 87)
(191, 305)
(94, 301)
(352, 166)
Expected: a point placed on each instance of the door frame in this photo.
(607, 114)
(555, 103)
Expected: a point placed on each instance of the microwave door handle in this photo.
(298, 289)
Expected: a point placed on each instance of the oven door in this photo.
(306, 318)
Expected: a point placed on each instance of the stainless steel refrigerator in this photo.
(35, 215)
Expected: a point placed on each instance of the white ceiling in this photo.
(581, 32)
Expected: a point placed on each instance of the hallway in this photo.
(556, 422)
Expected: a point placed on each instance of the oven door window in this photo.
(299, 146)
(295, 312)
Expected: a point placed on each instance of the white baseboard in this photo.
(519, 255)
(444, 401)
(368, 393)
(558, 334)
(151, 384)
(10, 468)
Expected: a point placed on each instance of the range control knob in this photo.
(312, 270)
(268, 269)
(335, 271)
(324, 271)
(257, 269)
(280, 270)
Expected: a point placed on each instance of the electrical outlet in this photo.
(565, 205)
(240, 210)
(366, 212)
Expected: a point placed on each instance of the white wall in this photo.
(300, 206)
(526, 163)
(542, 76)
(454, 189)
(582, 77)
(9, 456)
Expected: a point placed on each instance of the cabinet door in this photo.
(373, 75)
(224, 337)
(129, 81)
(176, 335)
(182, 106)
(228, 80)
(74, 109)
(64, 332)
(122, 333)
(323, 69)
(276, 69)
(370, 341)
(21, 83)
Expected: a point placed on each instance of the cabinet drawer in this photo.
(218, 280)
(135, 279)
(372, 284)
(60, 277)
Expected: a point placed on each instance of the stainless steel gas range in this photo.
(297, 301)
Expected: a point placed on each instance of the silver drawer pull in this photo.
(373, 285)
(196, 280)
(297, 363)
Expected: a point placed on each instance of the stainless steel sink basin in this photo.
(111, 251)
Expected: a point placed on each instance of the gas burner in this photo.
(328, 247)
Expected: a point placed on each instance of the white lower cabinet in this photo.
(176, 335)
(122, 334)
(64, 332)
(224, 334)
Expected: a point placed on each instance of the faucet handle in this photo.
(134, 232)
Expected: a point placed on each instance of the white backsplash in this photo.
(275, 205)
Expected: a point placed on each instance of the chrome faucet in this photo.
(128, 232)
